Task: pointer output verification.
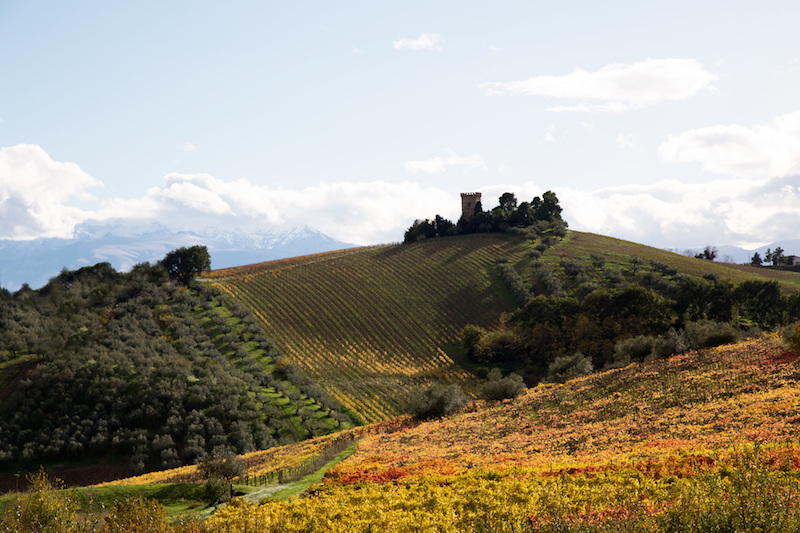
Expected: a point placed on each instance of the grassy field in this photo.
(618, 254)
(370, 324)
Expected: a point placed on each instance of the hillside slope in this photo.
(139, 374)
(371, 323)
(705, 441)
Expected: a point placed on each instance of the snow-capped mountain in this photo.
(124, 244)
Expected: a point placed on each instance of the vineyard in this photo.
(706, 441)
(371, 324)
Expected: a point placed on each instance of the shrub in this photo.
(634, 349)
(437, 401)
(497, 387)
(137, 515)
(598, 261)
(672, 343)
(224, 466)
(471, 336)
(572, 267)
(43, 508)
(708, 333)
(793, 339)
(614, 275)
(567, 367)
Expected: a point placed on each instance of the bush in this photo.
(223, 466)
(497, 387)
(793, 337)
(567, 367)
(634, 349)
(43, 508)
(137, 515)
(614, 275)
(437, 401)
(672, 343)
(648, 348)
(572, 267)
(708, 333)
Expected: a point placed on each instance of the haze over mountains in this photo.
(124, 244)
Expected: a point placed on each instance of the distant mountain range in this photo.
(735, 254)
(124, 244)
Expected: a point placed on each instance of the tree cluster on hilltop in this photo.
(540, 215)
(157, 372)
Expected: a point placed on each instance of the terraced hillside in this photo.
(372, 323)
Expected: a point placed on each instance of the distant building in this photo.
(468, 202)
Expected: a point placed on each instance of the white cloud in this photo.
(549, 136)
(765, 150)
(438, 165)
(361, 213)
(672, 214)
(426, 41)
(34, 192)
(35, 196)
(616, 87)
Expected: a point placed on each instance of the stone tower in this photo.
(468, 201)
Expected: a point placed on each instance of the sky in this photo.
(674, 124)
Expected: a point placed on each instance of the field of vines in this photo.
(371, 324)
(705, 441)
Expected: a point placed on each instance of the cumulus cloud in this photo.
(361, 213)
(35, 191)
(438, 165)
(672, 214)
(426, 41)
(764, 150)
(616, 87)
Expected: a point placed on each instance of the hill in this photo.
(705, 441)
(121, 373)
(371, 324)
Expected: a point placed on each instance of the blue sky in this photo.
(675, 124)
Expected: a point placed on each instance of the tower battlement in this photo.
(468, 202)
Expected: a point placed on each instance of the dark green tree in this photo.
(710, 253)
(508, 202)
(184, 263)
(756, 260)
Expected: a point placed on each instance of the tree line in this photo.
(583, 315)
